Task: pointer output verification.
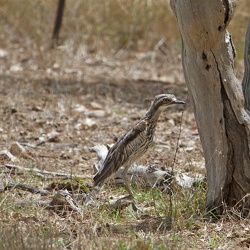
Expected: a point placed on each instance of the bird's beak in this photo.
(178, 102)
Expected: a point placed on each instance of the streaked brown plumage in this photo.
(132, 145)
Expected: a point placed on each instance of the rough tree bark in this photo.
(217, 98)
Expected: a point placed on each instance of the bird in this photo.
(133, 144)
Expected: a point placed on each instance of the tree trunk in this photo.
(58, 22)
(217, 98)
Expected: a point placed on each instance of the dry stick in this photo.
(178, 143)
(28, 188)
(172, 168)
(42, 172)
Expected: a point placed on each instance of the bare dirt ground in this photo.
(90, 103)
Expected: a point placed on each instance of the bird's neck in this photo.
(152, 116)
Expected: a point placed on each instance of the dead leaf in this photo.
(17, 149)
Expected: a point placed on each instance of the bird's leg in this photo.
(126, 183)
(95, 190)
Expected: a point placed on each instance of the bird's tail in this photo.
(104, 174)
(98, 179)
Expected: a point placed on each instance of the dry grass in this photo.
(31, 227)
(108, 25)
(179, 223)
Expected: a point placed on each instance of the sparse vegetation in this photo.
(109, 25)
(109, 61)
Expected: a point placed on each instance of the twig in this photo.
(43, 172)
(28, 188)
(172, 168)
(43, 203)
(178, 142)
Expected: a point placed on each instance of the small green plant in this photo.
(212, 240)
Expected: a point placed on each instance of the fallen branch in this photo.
(34, 190)
(148, 175)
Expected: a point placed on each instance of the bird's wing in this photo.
(120, 153)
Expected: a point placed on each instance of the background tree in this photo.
(58, 22)
(217, 98)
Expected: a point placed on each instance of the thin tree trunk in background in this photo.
(58, 22)
(217, 98)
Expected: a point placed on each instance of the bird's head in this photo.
(164, 100)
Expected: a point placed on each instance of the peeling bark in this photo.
(217, 97)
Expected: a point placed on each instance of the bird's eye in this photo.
(166, 100)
